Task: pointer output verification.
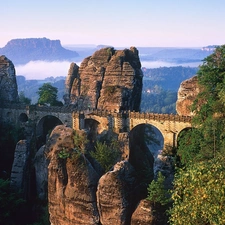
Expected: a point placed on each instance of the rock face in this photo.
(72, 182)
(143, 215)
(78, 194)
(116, 194)
(41, 173)
(187, 93)
(21, 51)
(8, 85)
(19, 166)
(109, 79)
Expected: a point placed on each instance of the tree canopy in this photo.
(48, 95)
(209, 110)
(199, 188)
(199, 195)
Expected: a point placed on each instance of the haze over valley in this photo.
(40, 58)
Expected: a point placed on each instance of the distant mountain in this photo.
(174, 55)
(21, 51)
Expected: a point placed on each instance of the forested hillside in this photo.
(168, 78)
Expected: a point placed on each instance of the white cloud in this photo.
(41, 69)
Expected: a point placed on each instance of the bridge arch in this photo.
(168, 124)
(100, 122)
(91, 126)
(153, 137)
(44, 127)
(23, 117)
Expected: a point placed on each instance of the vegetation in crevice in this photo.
(106, 154)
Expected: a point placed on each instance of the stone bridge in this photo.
(169, 125)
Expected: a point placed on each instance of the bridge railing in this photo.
(163, 117)
(100, 112)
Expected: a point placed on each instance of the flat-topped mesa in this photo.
(21, 51)
(8, 84)
(109, 79)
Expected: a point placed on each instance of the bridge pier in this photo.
(170, 142)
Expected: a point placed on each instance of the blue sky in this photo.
(120, 23)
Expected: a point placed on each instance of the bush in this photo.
(157, 192)
(106, 155)
(10, 204)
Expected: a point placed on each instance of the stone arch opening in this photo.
(9, 116)
(23, 117)
(150, 135)
(91, 127)
(45, 125)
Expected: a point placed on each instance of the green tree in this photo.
(157, 192)
(199, 189)
(209, 109)
(189, 145)
(24, 99)
(106, 155)
(199, 195)
(48, 95)
(80, 140)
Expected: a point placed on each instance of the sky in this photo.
(119, 23)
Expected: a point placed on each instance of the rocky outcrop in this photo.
(116, 194)
(19, 167)
(187, 93)
(109, 79)
(8, 85)
(22, 51)
(72, 81)
(77, 194)
(143, 215)
(41, 173)
(72, 182)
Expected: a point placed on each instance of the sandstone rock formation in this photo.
(72, 81)
(8, 85)
(78, 194)
(116, 194)
(109, 79)
(187, 93)
(72, 182)
(143, 215)
(19, 166)
(41, 173)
